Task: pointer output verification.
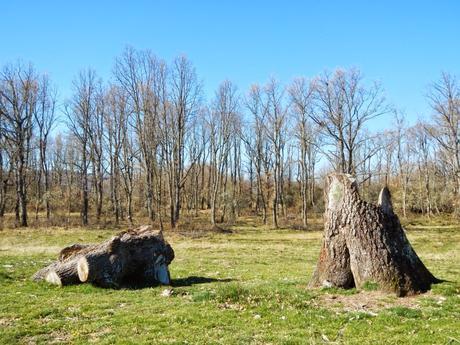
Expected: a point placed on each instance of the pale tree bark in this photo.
(444, 97)
(275, 128)
(142, 76)
(116, 127)
(70, 161)
(301, 94)
(45, 120)
(222, 123)
(122, 155)
(255, 140)
(19, 90)
(185, 91)
(236, 174)
(80, 111)
(127, 171)
(58, 166)
(97, 148)
(6, 173)
(403, 154)
(423, 149)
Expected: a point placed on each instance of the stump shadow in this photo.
(194, 280)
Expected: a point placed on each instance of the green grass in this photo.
(249, 287)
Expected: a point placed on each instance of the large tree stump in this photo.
(363, 243)
(137, 257)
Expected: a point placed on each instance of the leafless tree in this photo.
(19, 90)
(71, 161)
(185, 92)
(301, 94)
(6, 172)
(97, 147)
(58, 165)
(403, 157)
(142, 76)
(127, 162)
(45, 119)
(276, 113)
(422, 148)
(147, 144)
(115, 118)
(223, 124)
(255, 140)
(343, 106)
(444, 97)
(80, 111)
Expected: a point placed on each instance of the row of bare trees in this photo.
(27, 113)
(147, 144)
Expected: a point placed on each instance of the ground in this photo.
(248, 287)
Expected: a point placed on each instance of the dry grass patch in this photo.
(370, 301)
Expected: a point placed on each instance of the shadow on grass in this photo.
(134, 283)
(193, 280)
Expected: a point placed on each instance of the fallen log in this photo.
(365, 243)
(137, 257)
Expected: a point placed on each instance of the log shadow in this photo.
(138, 284)
(194, 280)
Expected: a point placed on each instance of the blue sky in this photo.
(403, 44)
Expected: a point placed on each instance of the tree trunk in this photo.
(366, 243)
(47, 195)
(22, 194)
(130, 259)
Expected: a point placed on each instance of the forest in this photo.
(146, 145)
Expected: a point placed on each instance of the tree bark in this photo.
(366, 243)
(134, 258)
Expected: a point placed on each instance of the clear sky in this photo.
(403, 44)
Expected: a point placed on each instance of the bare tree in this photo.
(403, 155)
(301, 94)
(128, 156)
(222, 125)
(80, 111)
(19, 90)
(423, 149)
(343, 106)
(255, 140)
(185, 91)
(45, 119)
(115, 124)
(97, 147)
(444, 97)
(6, 172)
(276, 113)
(71, 162)
(142, 76)
(148, 141)
(57, 165)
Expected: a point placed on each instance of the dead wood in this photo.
(137, 257)
(364, 242)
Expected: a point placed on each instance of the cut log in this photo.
(104, 265)
(64, 270)
(137, 257)
(364, 242)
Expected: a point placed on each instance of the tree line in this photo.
(147, 143)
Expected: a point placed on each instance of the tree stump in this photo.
(363, 242)
(132, 258)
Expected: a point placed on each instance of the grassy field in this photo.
(249, 287)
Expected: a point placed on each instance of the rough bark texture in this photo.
(130, 259)
(366, 243)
